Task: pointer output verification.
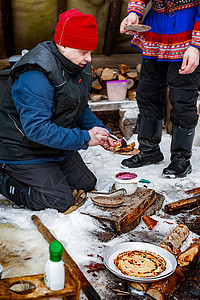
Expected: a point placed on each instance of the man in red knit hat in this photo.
(45, 110)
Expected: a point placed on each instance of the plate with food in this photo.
(129, 149)
(140, 262)
(138, 27)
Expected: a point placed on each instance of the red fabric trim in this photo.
(197, 26)
(167, 38)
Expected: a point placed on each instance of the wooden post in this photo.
(112, 26)
(7, 26)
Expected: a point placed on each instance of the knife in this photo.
(120, 192)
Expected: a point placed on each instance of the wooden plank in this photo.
(38, 289)
(128, 215)
(105, 105)
(113, 61)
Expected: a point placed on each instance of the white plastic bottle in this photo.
(54, 277)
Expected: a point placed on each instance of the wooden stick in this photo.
(86, 286)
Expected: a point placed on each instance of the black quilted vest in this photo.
(72, 85)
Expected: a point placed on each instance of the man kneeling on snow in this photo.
(45, 119)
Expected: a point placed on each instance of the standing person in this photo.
(170, 59)
(45, 119)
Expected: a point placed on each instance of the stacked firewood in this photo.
(101, 75)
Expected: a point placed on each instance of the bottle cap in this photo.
(56, 251)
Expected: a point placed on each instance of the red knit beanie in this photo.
(76, 30)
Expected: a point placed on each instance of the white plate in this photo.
(114, 251)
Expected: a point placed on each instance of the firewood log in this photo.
(167, 244)
(188, 256)
(123, 69)
(121, 77)
(107, 74)
(138, 68)
(133, 75)
(162, 289)
(140, 286)
(97, 97)
(132, 95)
(96, 85)
(130, 83)
(98, 71)
(193, 191)
(175, 238)
(185, 203)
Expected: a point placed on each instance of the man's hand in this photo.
(190, 61)
(131, 19)
(109, 143)
(99, 136)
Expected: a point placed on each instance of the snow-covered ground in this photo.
(76, 231)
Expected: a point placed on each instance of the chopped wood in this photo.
(140, 286)
(99, 71)
(138, 68)
(182, 204)
(130, 83)
(96, 85)
(188, 255)
(150, 222)
(123, 69)
(166, 244)
(97, 97)
(132, 95)
(175, 238)
(107, 74)
(133, 75)
(193, 191)
(162, 289)
(121, 77)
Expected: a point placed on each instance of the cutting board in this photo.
(128, 215)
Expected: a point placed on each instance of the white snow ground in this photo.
(76, 231)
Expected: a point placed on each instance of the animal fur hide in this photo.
(22, 251)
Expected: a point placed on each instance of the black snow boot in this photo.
(181, 151)
(13, 189)
(149, 137)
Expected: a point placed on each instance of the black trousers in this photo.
(155, 77)
(50, 185)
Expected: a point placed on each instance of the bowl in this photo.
(116, 90)
(127, 181)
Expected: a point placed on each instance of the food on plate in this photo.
(119, 148)
(139, 263)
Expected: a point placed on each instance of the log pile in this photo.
(123, 72)
(161, 290)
